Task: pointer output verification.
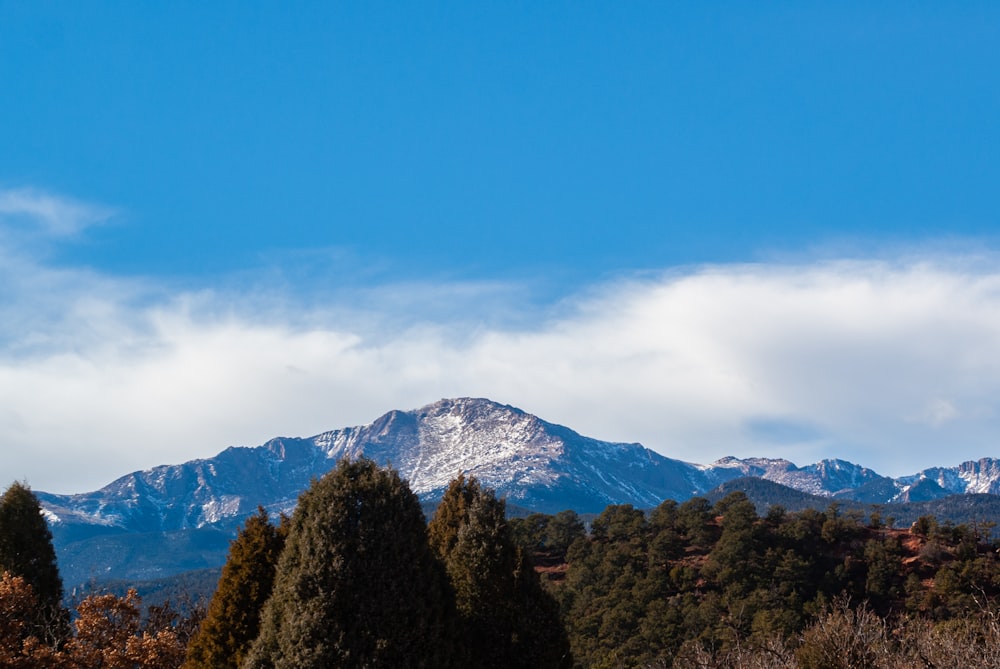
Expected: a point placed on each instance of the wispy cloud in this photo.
(54, 215)
(892, 364)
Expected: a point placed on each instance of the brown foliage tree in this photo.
(19, 648)
(109, 635)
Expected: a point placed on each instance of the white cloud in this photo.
(54, 215)
(895, 366)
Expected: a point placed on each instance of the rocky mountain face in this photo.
(534, 464)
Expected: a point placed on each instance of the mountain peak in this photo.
(534, 464)
(529, 461)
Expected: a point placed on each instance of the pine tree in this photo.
(451, 514)
(540, 639)
(26, 551)
(508, 620)
(233, 619)
(563, 529)
(481, 565)
(357, 584)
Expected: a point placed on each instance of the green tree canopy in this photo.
(508, 620)
(357, 584)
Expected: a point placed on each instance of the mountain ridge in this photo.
(535, 464)
(530, 461)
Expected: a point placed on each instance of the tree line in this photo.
(703, 585)
(357, 577)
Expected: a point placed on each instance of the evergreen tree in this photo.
(233, 619)
(357, 584)
(451, 514)
(531, 532)
(733, 561)
(508, 620)
(26, 551)
(540, 637)
(552, 535)
(562, 530)
(665, 543)
(481, 566)
(694, 521)
(607, 589)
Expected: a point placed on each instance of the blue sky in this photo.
(736, 229)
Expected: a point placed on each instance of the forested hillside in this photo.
(698, 584)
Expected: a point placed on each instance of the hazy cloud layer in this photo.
(893, 364)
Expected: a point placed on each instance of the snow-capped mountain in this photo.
(974, 476)
(534, 464)
(827, 478)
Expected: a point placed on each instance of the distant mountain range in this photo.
(178, 517)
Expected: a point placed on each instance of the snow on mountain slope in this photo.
(826, 477)
(533, 463)
(973, 476)
(174, 518)
(530, 461)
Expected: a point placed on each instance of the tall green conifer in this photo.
(357, 584)
(508, 619)
(452, 513)
(26, 551)
(233, 619)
